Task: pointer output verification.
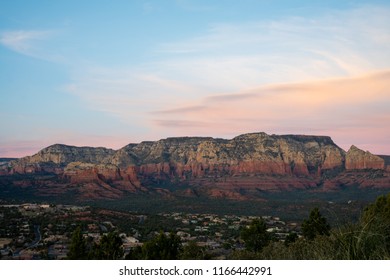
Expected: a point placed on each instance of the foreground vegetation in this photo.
(369, 238)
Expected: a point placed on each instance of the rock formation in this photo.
(237, 168)
(358, 159)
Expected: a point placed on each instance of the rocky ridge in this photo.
(238, 168)
(358, 159)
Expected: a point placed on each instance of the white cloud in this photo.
(30, 43)
(235, 58)
(21, 41)
(127, 94)
(330, 107)
(292, 49)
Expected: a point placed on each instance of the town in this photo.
(44, 231)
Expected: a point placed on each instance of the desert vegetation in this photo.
(368, 238)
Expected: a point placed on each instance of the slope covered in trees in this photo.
(369, 238)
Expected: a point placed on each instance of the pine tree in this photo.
(78, 246)
(315, 225)
(162, 247)
(256, 236)
(109, 248)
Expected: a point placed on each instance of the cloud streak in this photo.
(182, 110)
(332, 107)
(292, 49)
(30, 43)
(323, 75)
(21, 40)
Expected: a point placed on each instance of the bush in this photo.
(191, 251)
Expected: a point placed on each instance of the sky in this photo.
(110, 73)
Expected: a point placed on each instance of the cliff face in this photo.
(234, 168)
(63, 154)
(358, 159)
(54, 158)
(246, 154)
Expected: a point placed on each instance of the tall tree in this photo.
(78, 246)
(162, 247)
(109, 248)
(315, 225)
(378, 212)
(256, 236)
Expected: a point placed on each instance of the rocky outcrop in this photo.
(237, 168)
(358, 159)
(257, 153)
(63, 154)
(53, 159)
(79, 172)
(184, 157)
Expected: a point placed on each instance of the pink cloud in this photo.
(353, 110)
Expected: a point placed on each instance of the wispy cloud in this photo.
(338, 44)
(20, 41)
(182, 110)
(231, 97)
(331, 107)
(129, 95)
(293, 75)
(182, 124)
(30, 43)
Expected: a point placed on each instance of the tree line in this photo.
(369, 238)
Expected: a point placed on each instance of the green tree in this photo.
(315, 225)
(162, 247)
(109, 248)
(256, 236)
(192, 251)
(370, 238)
(78, 246)
(290, 238)
(378, 212)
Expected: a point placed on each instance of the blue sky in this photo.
(107, 73)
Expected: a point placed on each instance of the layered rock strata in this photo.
(216, 167)
(358, 159)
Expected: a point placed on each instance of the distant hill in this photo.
(6, 160)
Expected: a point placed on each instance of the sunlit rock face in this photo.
(236, 168)
(358, 159)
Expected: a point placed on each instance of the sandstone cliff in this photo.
(54, 158)
(358, 159)
(245, 154)
(236, 168)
